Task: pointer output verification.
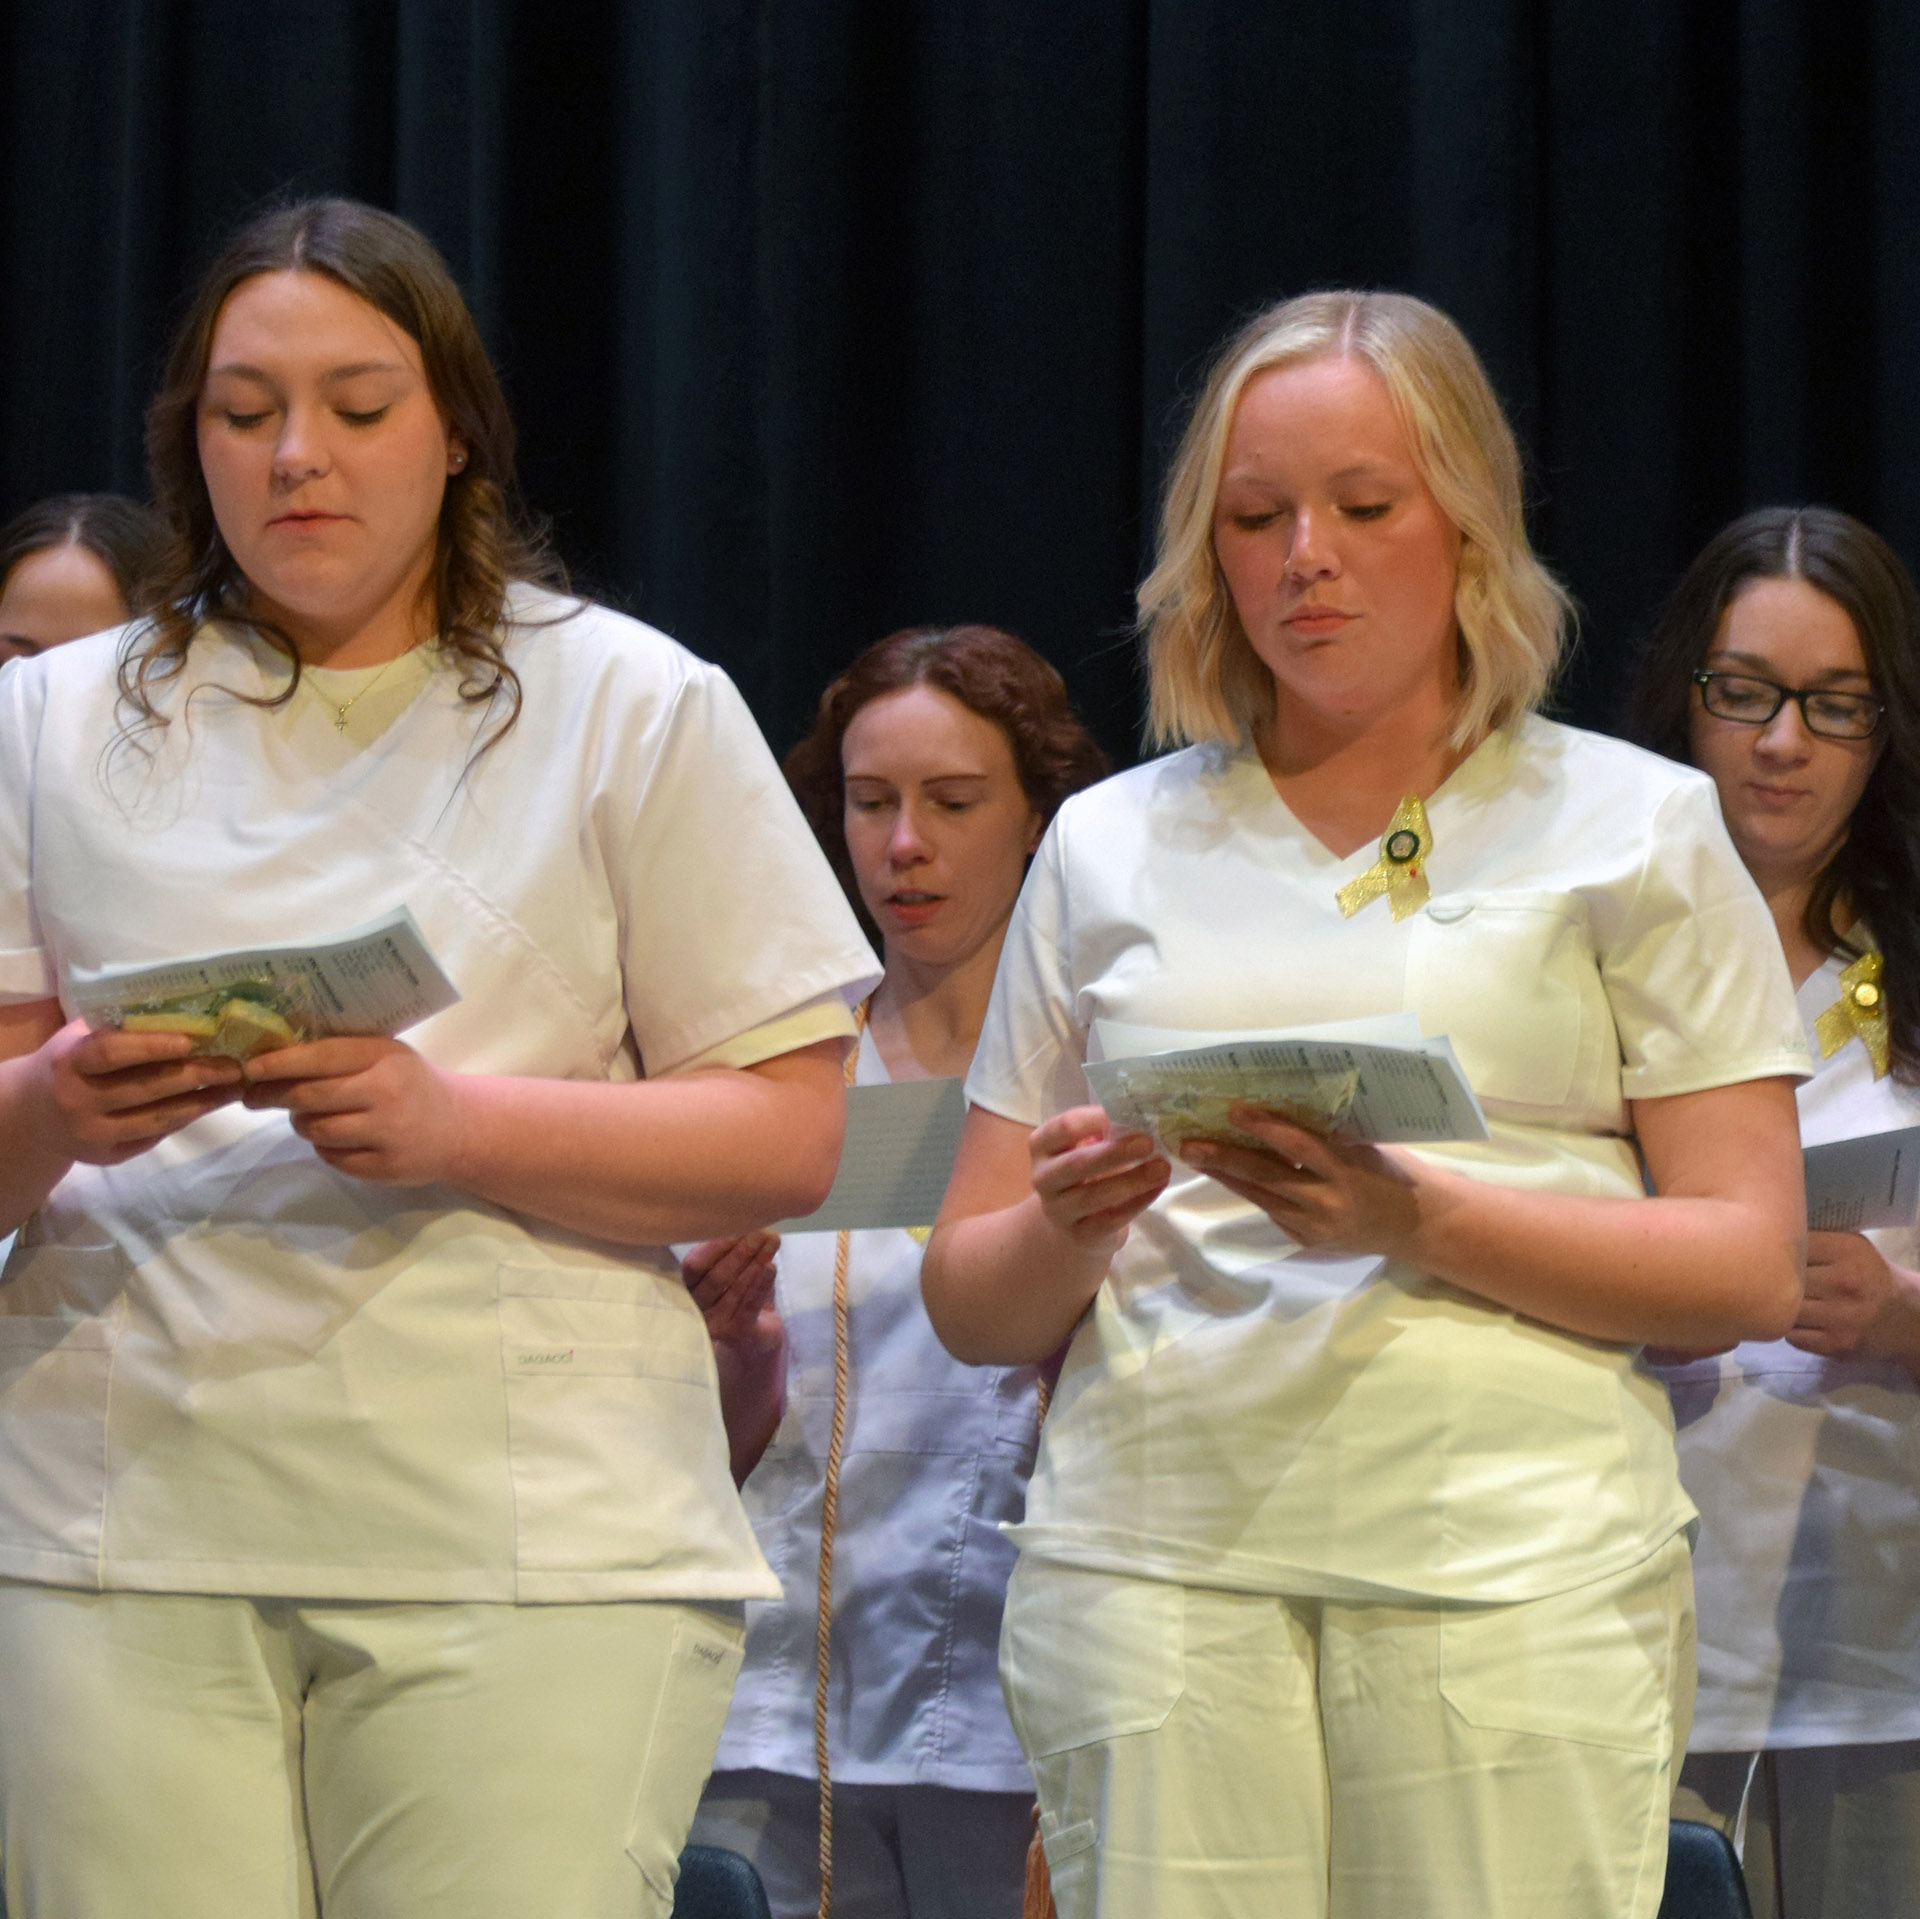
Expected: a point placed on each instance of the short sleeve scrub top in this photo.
(1237, 1413)
(227, 1368)
(1806, 1471)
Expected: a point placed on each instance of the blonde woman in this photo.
(1354, 1574)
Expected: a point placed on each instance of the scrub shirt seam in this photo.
(506, 1445)
(106, 1438)
(518, 935)
(949, 1631)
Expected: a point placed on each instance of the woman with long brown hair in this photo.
(367, 1543)
(935, 762)
(1786, 666)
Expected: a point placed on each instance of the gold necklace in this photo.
(340, 711)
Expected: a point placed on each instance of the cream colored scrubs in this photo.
(1237, 1414)
(225, 1368)
(1378, 1450)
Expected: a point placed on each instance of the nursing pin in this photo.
(1401, 870)
(1859, 1013)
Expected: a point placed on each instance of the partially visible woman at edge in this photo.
(935, 763)
(1787, 667)
(367, 1543)
(73, 564)
(1354, 1573)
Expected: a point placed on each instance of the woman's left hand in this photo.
(370, 1107)
(1855, 1302)
(1327, 1195)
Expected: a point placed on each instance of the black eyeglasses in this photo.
(1750, 702)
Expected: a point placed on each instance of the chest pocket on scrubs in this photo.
(601, 1374)
(1500, 975)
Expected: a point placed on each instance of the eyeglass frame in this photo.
(1704, 676)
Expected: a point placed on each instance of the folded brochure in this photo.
(899, 1151)
(1412, 1092)
(376, 979)
(1855, 1185)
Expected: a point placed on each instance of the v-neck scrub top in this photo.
(1238, 1413)
(1806, 1471)
(935, 1463)
(226, 1367)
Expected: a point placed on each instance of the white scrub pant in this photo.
(899, 1852)
(1221, 1755)
(1839, 1826)
(174, 1756)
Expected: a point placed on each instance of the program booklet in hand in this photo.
(1855, 1185)
(375, 980)
(1373, 1081)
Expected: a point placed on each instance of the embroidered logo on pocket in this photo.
(562, 1357)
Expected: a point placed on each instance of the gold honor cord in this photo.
(1859, 1013)
(1401, 870)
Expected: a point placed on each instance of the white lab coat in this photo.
(935, 1461)
(1806, 1472)
(225, 1367)
(1237, 1414)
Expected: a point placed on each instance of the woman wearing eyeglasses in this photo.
(1787, 667)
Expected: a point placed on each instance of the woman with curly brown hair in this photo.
(367, 1543)
(935, 763)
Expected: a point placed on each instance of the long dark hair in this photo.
(485, 541)
(124, 536)
(1877, 869)
(990, 673)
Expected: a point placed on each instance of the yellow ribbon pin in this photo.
(1859, 1013)
(1401, 870)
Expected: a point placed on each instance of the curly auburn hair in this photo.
(1876, 873)
(990, 673)
(485, 542)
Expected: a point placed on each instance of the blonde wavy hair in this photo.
(1206, 683)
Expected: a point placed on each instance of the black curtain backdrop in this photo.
(823, 317)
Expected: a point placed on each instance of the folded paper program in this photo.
(377, 979)
(1378, 1094)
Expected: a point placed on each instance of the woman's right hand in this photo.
(1092, 1182)
(731, 1281)
(105, 1097)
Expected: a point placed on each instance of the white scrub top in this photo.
(1807, 1475)
(225, 1367)
(935, 1461)
(1237, 1413)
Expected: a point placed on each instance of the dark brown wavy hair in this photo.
(124, 536)
(486, 543)
(1876, 872)
(990, 673)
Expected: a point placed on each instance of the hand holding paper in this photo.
(374, 981)
(1345, 1087)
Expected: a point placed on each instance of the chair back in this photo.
(717, 1884)
(1703, 1875)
